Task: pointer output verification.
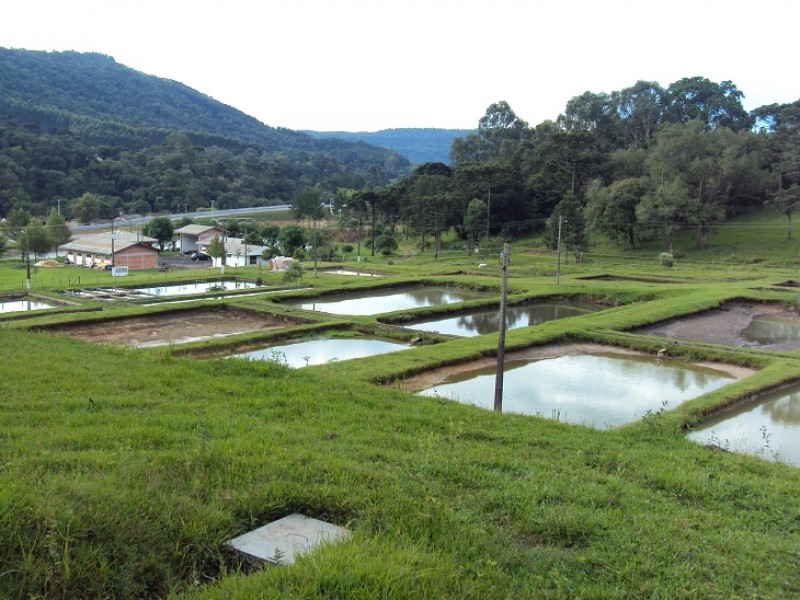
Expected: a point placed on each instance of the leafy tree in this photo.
(697, 161)
(428, 203)
(612, 210)
(3, 244)
(714, 104)
(160, 228)
(57, 228)
(386, 243)
(294, 273)
(307, 205)
(475, 219)
(216, 248)
(639, 110)
(786, 144)
(16, 222)
(498, 184)
(573, 231)
(35, 238)
(86, 208)
(291, 238)
(500, 137)
(594, 114)
(663, 207)
(269, 234)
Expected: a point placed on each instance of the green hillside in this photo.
(74, 123)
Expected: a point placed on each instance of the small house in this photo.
(192, 237)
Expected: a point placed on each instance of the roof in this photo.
(196, 229)
(100, 243)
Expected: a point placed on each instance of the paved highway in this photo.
(214, 214)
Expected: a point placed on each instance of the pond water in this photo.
(599, 390)
(768, 329)
(768, 427)
(185, 289)
(348, 272)
(383, 301)
(487, 321)
(322, 350)
(8, 306)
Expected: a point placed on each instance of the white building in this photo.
(237, 253)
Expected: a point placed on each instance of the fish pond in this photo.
(383, 301)
(322, 350)
(598, 388)
(487, 321)
(200, 287)
(768, 427)
(22, 305)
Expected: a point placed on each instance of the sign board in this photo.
(119, 271)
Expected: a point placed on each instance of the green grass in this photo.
(126, 482)
(124, 471)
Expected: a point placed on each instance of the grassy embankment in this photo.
(123, 471)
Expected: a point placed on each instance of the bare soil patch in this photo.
(177, 327)
(721, 326)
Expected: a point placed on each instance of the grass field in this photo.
(124, 471)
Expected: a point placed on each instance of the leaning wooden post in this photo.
(501, 337)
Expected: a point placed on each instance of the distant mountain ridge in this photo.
(101, 101)
(419, 145)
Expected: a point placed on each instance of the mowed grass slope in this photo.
(123, 473)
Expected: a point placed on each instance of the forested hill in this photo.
(101, 101)
(419, 145)
(73, 124)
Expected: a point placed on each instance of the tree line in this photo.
(41, 170)
(638, 164)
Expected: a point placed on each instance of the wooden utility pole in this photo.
(558, 253)
(501, 338)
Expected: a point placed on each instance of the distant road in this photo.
(229, 212)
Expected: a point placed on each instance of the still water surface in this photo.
(194, 288)
(488, 321)
(387, 301)
(599, 390)
(9, 306)
(769, 329)
(769, 427)
(320, 351)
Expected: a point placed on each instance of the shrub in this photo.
(666, 259)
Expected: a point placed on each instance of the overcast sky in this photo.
(365, 65)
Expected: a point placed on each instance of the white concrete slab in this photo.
(281, 541)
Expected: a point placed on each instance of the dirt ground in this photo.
(721, 326)
(175, 328)
(432, 378)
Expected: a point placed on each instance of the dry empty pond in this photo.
(176, 327)
(771, 326)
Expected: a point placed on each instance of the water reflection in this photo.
(387, 301)
(323, 350)
(600, 390)
(194, 288)
(769, 428)
(773, 329)
(488, 321)
(9, 306)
